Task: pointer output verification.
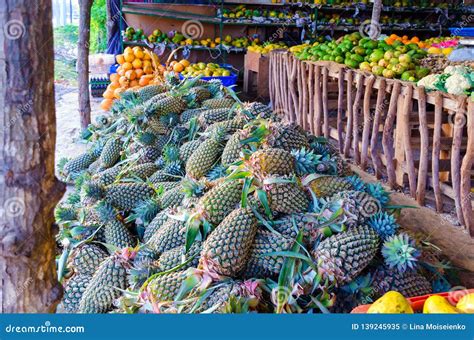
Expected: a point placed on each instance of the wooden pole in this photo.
(374, 30)
(438, 111)
(29, 189)
(83, 61)
(466, 166)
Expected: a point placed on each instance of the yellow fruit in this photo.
(391, 303)
(138, 53)
(148, 69)
(436, 304)
(146, 57)
(133, 83)
(184, 62)
(118, 92)
(130, 74)
(108, 94)
(466, 304)
(178, 67)
(137, 63)
(106, 104)
(129, 57)
(128, 50)
(123, 81)
(139, 72)
(113, 85)
(120, 59)
(144, 81)
(127, 66)
(434, 50)
(114, 77)
(447, 51)
(146, 63)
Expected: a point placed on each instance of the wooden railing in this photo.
(424, 140)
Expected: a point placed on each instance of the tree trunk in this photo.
(29, 190)
(83, 61)
(375, 28)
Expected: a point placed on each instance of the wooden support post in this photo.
(388, 131)
(424, 147)
(310, 115)
(459, 121)
(325, 103)
(340, 99)
(318, 102)
(348, 138)
(438, 111)
(374, 141)
(367, 123)
(406, 139)
(356, 109)
(466, 167)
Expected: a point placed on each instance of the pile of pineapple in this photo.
(191, 201)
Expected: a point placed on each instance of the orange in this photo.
(148, 70)
(123, 81)
(120, 59)
(185, 63)
(143, 81)
(137, 63)
(130, 74)
(128, 50)
(106, 104)
(118, 92)
(129, 57)
(108, 94)
(161, 69)
(138, 53)
(178, 67)
(393, 36)
(114, 77)
(127, 66)
(147, 63)
(146, 56)
(139, 72)
(113, 85)
(133, 83)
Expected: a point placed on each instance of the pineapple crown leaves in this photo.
(105, 211)
(65, 213)
(357, 183)
(62, 162)
(219, 171)
(384, 224)
(145, 211)
(170, 153)
(360, 287)
(74, 198)
(400, 252)
(193, 128)
(192, 188)
(258, 134)
(169, 119)
(94, 190)
(306, 161)
(146, 138)
(377, 191)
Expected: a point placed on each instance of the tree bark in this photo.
(375, 28)
(29, 189)
(83, 61)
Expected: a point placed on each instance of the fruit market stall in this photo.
(407, 132)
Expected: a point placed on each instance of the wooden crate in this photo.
(256, 75)
(414, 138)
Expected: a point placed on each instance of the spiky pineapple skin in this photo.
(220, 201)
(101, 291)
(107, 176)
(87, 258)
(359, 205)
(127, 196)
(177, 256)
(73, 292)
(155, 224)
(165, 106)
(272, 162)
(220, 295)
(166, 287)
(211, 116)
(170, 235)
(287, 137)
(187, 115)
(261, 265)
(326, 186)
(149, 91)
(409, 284)
(228, 247)
(343, 256)
(117, 234)
(232, 150)
(142, 171)
(218, 103)
(287, 198)
(203, 159)
(173, 197)
(111, 152)
(289, 226)
(188, 148)
(79, 163)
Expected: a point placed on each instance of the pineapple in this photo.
(142, 171)
(256, 110)
(169, 104)
(326, 186)
(87, 258)
(198, 94)
(170, 235)
(289, 226)
(220, 295)
(268, 162)
(73, 292)
(212, 116)
(232, 150)
(188, 148)
(187, 115)
(286, 136)
(102, 289)
(155, 224)
(165, 287)
(358, 206)
(261, 265)
(107, 176)
(111, 152)
(285, 195)
(343, 256)
(147, 92)
(78, 164)
(228, 247)
(172, 198)
(177, 256)
(116, 233)
(126, 196)
(410, 283)
(205, 156)
(167, 185)
(218, 103)
(218, 202)
(230, 126)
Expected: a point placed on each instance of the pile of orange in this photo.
(178, 66)
(136, 70)
(405, 40)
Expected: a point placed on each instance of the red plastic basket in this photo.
(417, 302)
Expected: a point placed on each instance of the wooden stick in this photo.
(318, 102)
(340, 99)
(459, 120)
(466, 166)
(355, 117)
(310, 96)
(366, 128)
(387, 138)
(406, 134)
(304, 111)
(294, 94)
(380, 107)
(325, 103)
(424, 147)
(438, 110)
(299, 86)
(348, 139)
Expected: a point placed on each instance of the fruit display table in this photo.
(406, 134)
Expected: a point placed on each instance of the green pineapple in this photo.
(172, 172)
(256, 110)
(326, 186)
(409, 283)
(198, 93)
(220, 295)
(108, 176)
(87, 258)
(155, 224)
(232, 150)
(260, 264)
(147, 92)
(102, 289)
(78, 164)
(187, 115)
(142, 171)
(286, 136)
(230, 126)
(271, 162)
(170, 235)
(285, 195)
(167, 185)
(212, 116)
(73, 291)
(111, 152)
(126, 196)
(116, 233)
(205, 156)
(172, 198)
(165, 287)
(228, 247)
(218, 202)
(343, 256)
(289, 226)
(177, 256)
(188, 148)
(169, 104)
(218, 103)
